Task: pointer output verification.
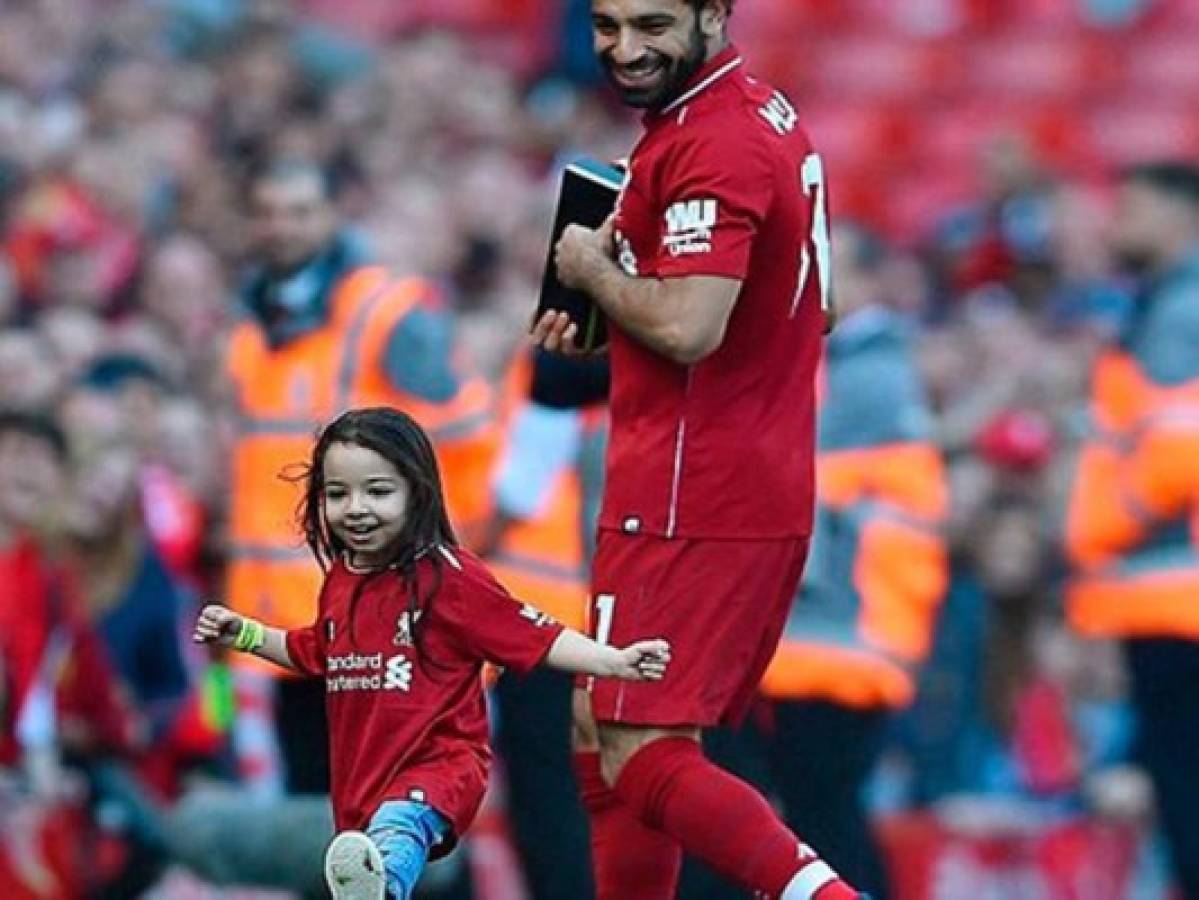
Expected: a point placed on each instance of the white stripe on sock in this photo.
(809, 880)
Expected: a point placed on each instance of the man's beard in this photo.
(676, 74)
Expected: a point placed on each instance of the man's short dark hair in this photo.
(1173, 177)
(34, 425)
(112, 371)
(289, 168)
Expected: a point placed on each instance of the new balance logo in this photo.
(689, 226)
(779, 112)
(625, 255)
(398, 675)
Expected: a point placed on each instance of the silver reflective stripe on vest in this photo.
(828, 606)
(241, 551)
(537, 567)
(265, 426)
(891, 512)
(352, 353)
(461, 428)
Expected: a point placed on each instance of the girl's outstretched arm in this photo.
(640, 661)
(222, 626)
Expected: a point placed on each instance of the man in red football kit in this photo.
(713, 272)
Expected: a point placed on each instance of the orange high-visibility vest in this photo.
(1132, 527)
(286, 394)
(866, 655)
(542, 560)
(877, 571)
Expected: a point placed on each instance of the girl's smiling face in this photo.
(365, 503)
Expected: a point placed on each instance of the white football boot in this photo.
(354, 868)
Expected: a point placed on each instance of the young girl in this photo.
(405, 623)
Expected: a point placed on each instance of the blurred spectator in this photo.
(876, 573)
(1131, 529)
(75, 337)
(125, 587)
(30, 378)
(184, 290)
(58, 694)
(1001, 239)
(181, 483)
(1086, 292)
(137, 610)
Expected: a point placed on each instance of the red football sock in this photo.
(724, 822)
(631, 861)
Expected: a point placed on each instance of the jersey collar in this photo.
(720, 65)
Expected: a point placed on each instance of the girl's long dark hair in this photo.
(397, 438)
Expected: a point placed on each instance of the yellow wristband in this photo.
(251, 636)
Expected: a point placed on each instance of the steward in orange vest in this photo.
(1132, 529)
(876, 571)
(876, 574)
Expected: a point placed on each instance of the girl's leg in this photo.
(354, 868)
(405, 831)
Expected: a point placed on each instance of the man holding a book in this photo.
(712, 274)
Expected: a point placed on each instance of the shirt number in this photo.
(604, 607)
(811, 175)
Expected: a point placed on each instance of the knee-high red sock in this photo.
(631, 861)
(724, 822)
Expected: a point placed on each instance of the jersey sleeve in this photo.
(714, 193)
(306, 647)
(491, 624)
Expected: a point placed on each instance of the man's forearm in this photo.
(643, 310)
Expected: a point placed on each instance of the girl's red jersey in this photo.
(408, 721)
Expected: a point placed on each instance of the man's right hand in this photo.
(556, 333)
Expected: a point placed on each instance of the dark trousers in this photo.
(1165, 681)
(548, 820)
(822, 755)
(815, 759)
(303, 734)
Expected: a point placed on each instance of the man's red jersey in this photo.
(725, 183)
(407, 719)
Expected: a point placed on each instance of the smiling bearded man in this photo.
(713, 274)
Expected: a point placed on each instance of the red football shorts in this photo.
(722, 604)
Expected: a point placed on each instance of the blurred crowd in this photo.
(127, 132)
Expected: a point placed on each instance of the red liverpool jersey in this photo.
(407, 719)
(725, 183)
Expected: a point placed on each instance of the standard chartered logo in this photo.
(357, 672)
(399, 674)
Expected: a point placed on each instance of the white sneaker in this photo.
(354, 868)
